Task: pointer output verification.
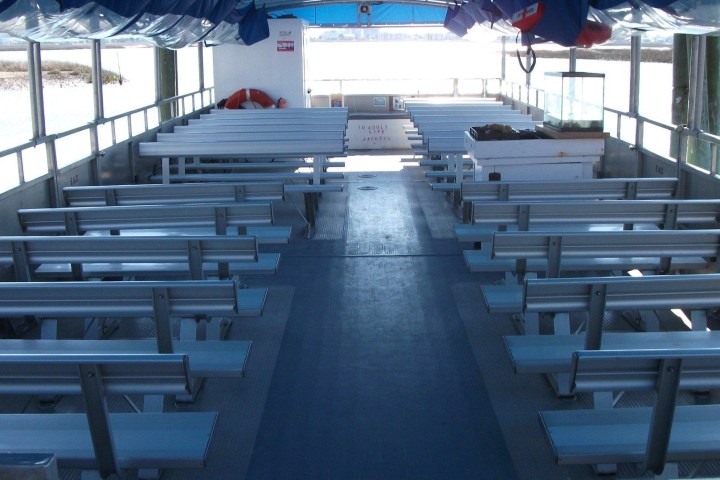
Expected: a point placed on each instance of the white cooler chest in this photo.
(536, 159)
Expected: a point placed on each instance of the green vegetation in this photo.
(14, 74)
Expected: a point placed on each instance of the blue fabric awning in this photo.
(177, 23)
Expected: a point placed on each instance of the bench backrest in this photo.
(150, 194)
(119, 374)
(26, 252)
(253, 128)
(280, 112)
(94, 376)
(597, 189)
(664, 371)
(77, 220)
(157, 300)
(668, 213)
(596, 295)
(620, 370)
(697, 291)
(246, 137)
(274, 148)
(554, 247)
(233, 120)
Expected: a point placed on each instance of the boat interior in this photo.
(365, 322)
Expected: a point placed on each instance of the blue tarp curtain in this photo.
(177, 23)
(585, 22)
(167, 23)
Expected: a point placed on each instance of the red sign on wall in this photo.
(286, 45)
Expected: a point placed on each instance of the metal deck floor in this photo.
(375, 357)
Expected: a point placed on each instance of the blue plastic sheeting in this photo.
(584, 22)
(167, 23)
(346, 15)
(178, 23)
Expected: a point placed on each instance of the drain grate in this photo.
(367, 175)
(367, 187)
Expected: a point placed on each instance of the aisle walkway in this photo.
(375, 376)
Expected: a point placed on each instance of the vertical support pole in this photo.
(572, 59)
(634, 100)
(503, 59)
(20, 262)
(99, 108)
(662, 415)
(195, 260)
(554, 257)
(166, 82)
(593, 338)
(37, 104)
(98, 420)
(220, 221)
(201, 70)
(161, 310)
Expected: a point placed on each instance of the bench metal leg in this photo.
(561, 324)
(310, 208)
(151, 404)
(604, 400)
(217, 328)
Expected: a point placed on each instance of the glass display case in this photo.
(574, 101)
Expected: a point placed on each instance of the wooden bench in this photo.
(98, 439)
(551, 354)
(652, 436)
(83, 257)
(248, 218)
(584, 215)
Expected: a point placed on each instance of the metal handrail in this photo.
(510, 88)
(113, 120)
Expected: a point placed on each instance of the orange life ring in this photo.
(249, 98)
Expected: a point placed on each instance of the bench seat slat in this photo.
(244, 177)
(619, 435)
(484, 233)
(266, 263)
(553, 353)
(152, 194)
(478, 261)
(264, 235)
(142, 440)
(128, 299)
(255, 165)
(208, 359)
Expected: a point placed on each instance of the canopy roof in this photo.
(178, 23)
